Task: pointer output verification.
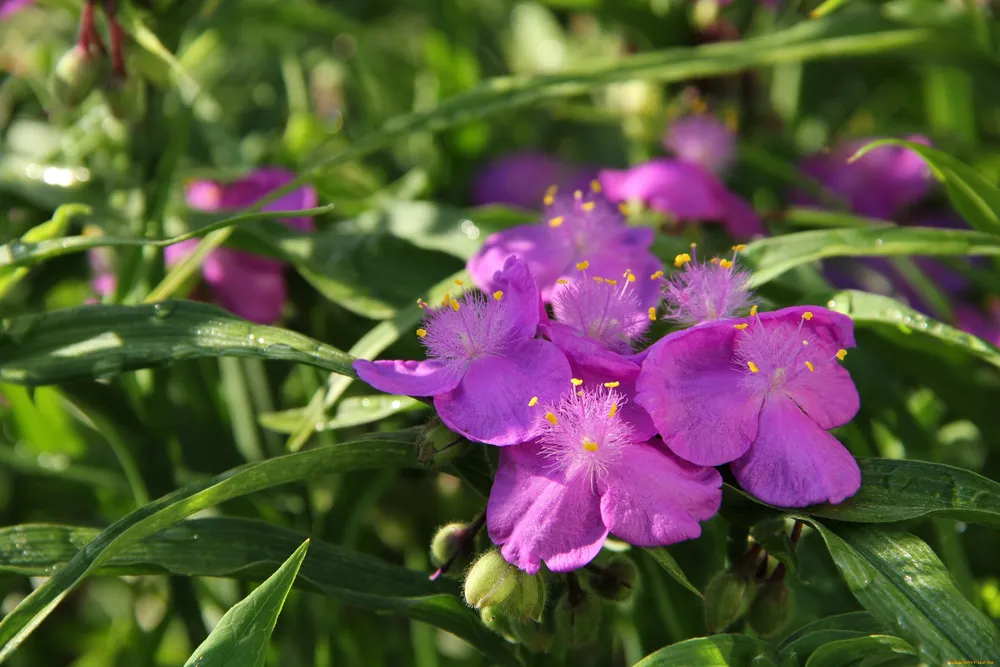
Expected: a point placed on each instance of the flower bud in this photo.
(125, 96)
(536, 638)
(490, 581)
(496, 622)
(438, 445)
(527, 602)
(727, 598)
(578, 621)
(771, 609)
(449, 542)
(615, 580)
(74, 76)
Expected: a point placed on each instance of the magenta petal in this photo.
(412, 378)
(681, 189)
(255, 295)
(738, 217)
(538, 516)
(547, 255)
(490, 404)
(523, 304)
(794, 462)
(692, 390)
(173, 254)
(652, 498)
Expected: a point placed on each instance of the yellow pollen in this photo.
(714, 260)
(576, 382)
(589, 445)
(582, 266)
(533, 402)
(498, 295)
(455, 305)
(588, 207)
(753, 367)
(610, 281)
(807, 315)
(556, 221)
(652, 313)
(420, 304)
(630, 276)
(579, 392)
(551, 418)
(459, 282)
(598, 279)
(741, 327)
(693, 246)
(680, 260)
(753, 310)
(805, 342)
(810, 366)
(421, 332)
(841, 353)
(562, 281)
(739, 248)
(614, 410)
(595, 185)
(550, 195)
(726, 264)
(656, 276)
(578, 195)
(445, 299)
(611, 385)
(623, 208)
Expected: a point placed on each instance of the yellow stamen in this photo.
(551, 418)
(589, 445)
(455, 305)
(498, 295)
(421, 332)
(445, 299)
(562, 281)
(807, 315)
(841, 353)
(576, 382)
(753, 367)
(614, 410)
(459, 282)
(580, 392)
(741, 327)
(598, 279)
(556, 221)
(726, 264)
(656, 276)
(550, 195)
(652, 313)
(714, 260)
(610, 281)
(739, 248)
(753, 310)
(588, 206)
(533, 402)
(578, 195)
(623, 208)
(595, 185)
(611, 385)
(420, 304)
(810, 366)
(629, 276)
(583, 266)
(681, 259)
(805, 342)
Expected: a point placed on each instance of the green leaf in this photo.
(427, 225)
(242, 634)
(973, 196)
(100, 340)
(899, 490)
(770, 257)
(673, 568)
(803, 642)
(900, 580)
(873, 650)
(47, 231)
(714, 651)
(352, 411)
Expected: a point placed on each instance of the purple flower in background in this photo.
(589, 474)
(880, 184)
(582, 228)
(703, 140)
(760, 394)
(247, 285)
(8, 7)
(703, 292)
(521, 179)
(686, 191)
(485, 368)
(983, 323)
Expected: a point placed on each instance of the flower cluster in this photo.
(600, 436)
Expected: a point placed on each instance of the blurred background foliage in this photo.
(389, 108)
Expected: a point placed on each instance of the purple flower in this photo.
(686, 191)
(760, 393)
(521, 179)
(8, 7)
(703, 292)
(702, 140)
(880, 184)
(983, 323)
(588, 474)
(247, 285)
(582, 228)
(485, 368)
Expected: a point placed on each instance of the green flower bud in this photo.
(74, 76)
(527, 602)
(705, 13)
(490, 581)
(125, 96)
(727, 598)
(496, 622)
(449, 542)
(771, 609)
(578, 621)
(531, 635)
(438, 445)
(615, 580)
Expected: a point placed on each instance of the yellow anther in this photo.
(421, 332)
(841, 353)
(726, 264)
(459, 282)
(739, 248)
(753, 310)
(556, 221)
(589, 445)
(741, 327)
(693, 246)
(455, 305)
(805, 342)
(420, 303)
(445, 299)
(714, 260)
(552, 419)
(588, 206)
(610, 281)
(631, 277)
(578, 195)
(807, 315)
(657, 275)
(498, 295)
(623, 207)
(579, 392)
(595, 185)
(598, 279)
(753, 367)
(576, 382)
(550, 195)
(583, 266)
(652, 313)
(562, 281)
(614, 410)
(533, 402)
(679, 261)
(611, 385)
(810, 366)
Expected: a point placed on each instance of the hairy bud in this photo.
(578, 618)
(490, 581)
(449, 542)
(727, 598)
(772, 608)
(615, 580)
(74, 76)
(438, 445)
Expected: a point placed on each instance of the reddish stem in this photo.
(88, 38)
(467, 539)
(117, 38)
